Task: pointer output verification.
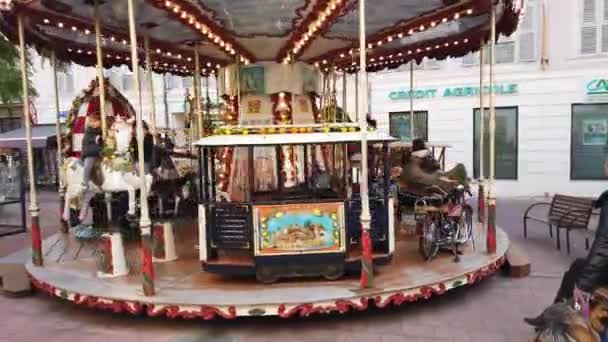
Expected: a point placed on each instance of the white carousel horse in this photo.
(116, 173)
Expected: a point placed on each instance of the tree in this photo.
(10, 73)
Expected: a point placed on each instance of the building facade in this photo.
(551, 95)
(169, 94)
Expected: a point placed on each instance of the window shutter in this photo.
(432, 64)
(527, 46)
(187, 82)
(527, 35)
(470, 59)
(589, 28)
(605, 28)
(588, 40)
(605, 37)
(505, 52)
(588, 11)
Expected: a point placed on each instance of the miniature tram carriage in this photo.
(292, 207)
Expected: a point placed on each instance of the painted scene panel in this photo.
(299, 228)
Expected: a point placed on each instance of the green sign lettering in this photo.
(597, 87)
(499, 89)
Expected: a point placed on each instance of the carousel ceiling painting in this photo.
(319, 32)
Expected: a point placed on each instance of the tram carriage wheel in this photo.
(265, 275)
(333, 272)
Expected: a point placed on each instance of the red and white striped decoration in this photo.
(87, 104)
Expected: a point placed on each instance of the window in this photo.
(127, 81)
(65, 82)
(505, 163)
(594, 27)
(589, 141)
(187, 82)
(519, 47)
(173, 82)
(400, 125)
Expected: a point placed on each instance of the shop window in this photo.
(589, 136)
(400, 125)
(594, 26)
(506, 143)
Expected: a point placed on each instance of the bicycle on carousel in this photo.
(446, 220)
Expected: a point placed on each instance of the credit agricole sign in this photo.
(430, 93)
(598, 86)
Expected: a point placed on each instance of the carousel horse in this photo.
(168, 183)
(114, 173)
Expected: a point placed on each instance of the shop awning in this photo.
(41, 134)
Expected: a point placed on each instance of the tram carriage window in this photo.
(506, 143)
(589, 141)
(400, 125)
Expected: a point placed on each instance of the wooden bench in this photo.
(567, 212)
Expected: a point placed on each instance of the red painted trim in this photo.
(36, 241)
(208, 312)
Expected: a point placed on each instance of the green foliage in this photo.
(10, 73)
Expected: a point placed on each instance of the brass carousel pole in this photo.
(367, 271)
(101, 80)
(34, 210)
(150, 78)
(344, 112)
(144, 223)
(197, 92)
(481, 205)
(412, 130)
(64, 224)
(491, 233)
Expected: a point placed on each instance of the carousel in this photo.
(287, 187)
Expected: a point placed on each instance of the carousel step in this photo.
(518, 262)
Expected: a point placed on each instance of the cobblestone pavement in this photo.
(489, 311)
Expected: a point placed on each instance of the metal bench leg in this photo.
(550, 230)
(525, 227)
(559, 246)
(568, 240)
(586, 243)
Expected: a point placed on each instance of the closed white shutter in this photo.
(605, 28)
(589, 28)
(432, 64)
(527, 34)
(471, 59)
(505, 52)
(65, 81)
(127, 82)
(187, 82)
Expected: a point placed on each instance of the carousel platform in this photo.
(184, 291)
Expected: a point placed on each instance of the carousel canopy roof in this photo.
(290, 139)
(324, 32)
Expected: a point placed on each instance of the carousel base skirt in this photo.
(184, 291)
